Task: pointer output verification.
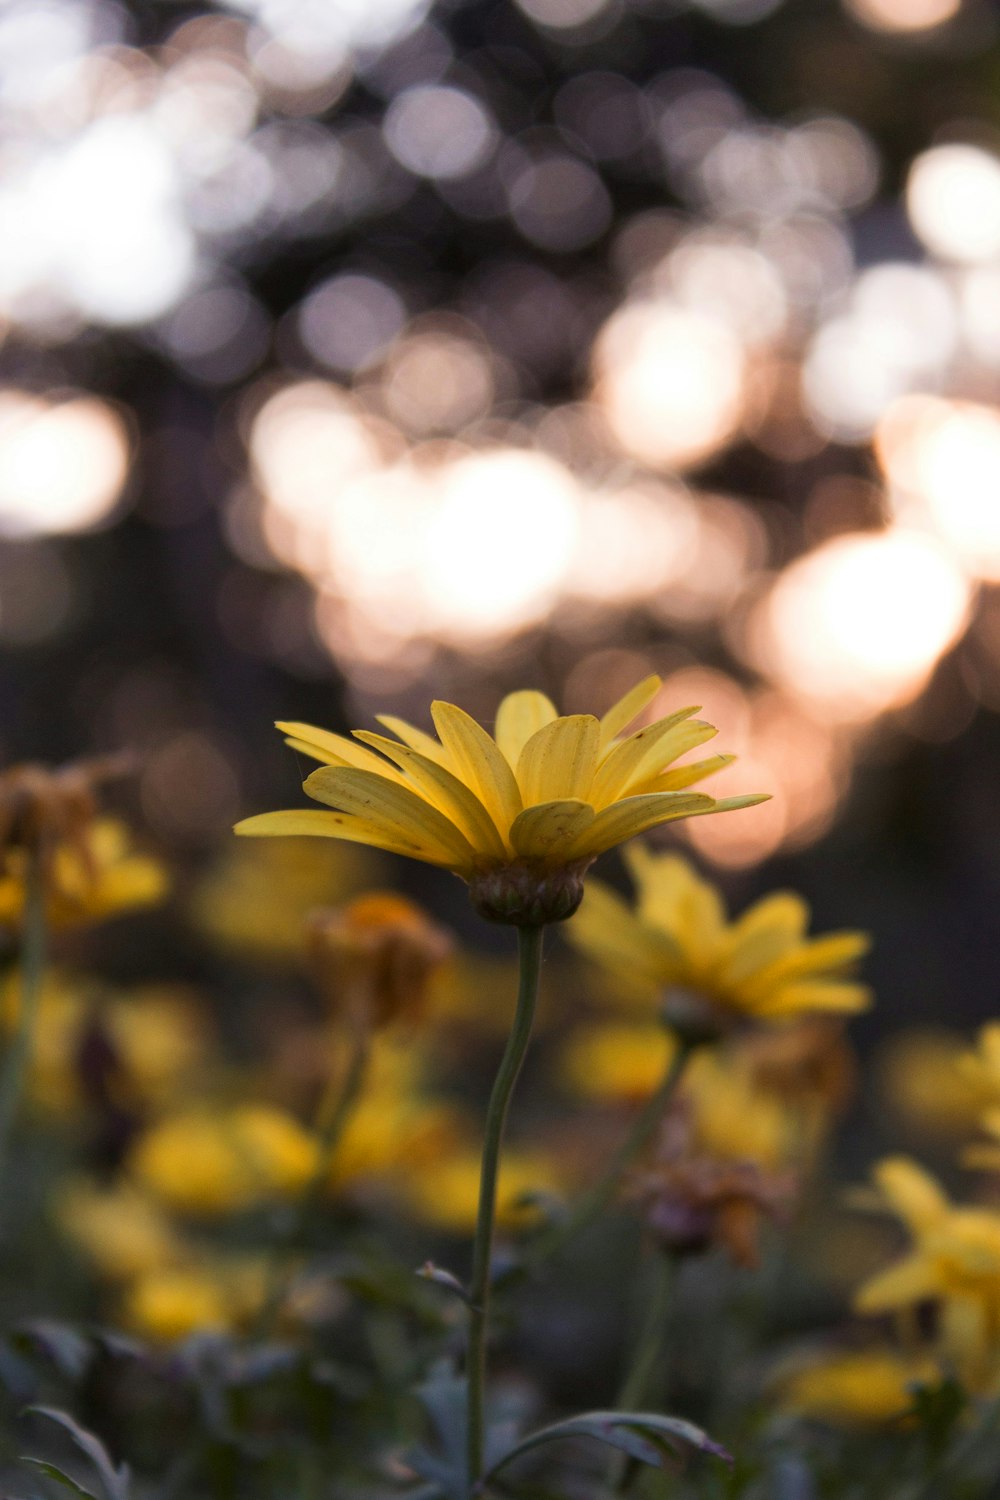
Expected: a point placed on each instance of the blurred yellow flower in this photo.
(760, 966)
(390, 1136)
(251, 901)
(151, 1040)
(174, 1302)
(520, 816)
(200, 1162)
(617, 1063)
(92, 878)
(121, 1230)
(734, 1116)
(862, 1388)
(445, 1193)
(954, 1261)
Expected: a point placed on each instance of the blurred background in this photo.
(357, 354)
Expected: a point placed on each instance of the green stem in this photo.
(334, 1111)
(632, 1395)
(530, 956)
(596, 1200)
(15, 1065)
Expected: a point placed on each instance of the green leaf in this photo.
(444, 1398)
(646, 1436)
(115, 1481)
(51, 1471)
(67, 1348)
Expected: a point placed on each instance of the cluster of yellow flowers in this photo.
(952, 1266)
(520, 815)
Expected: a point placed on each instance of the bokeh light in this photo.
(63, 463)
(857, 626)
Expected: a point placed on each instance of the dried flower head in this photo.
(808, 1063)
(692, 1201)
(42, 808)
(374, 957)
(50, 829)
(520, 816)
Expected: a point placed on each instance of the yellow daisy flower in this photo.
(520, 815)
(954, 1261)
(678, 939)
(94, 878)
(857, 1388)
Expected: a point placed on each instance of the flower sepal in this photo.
(527, 895)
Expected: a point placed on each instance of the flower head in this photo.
(91, 877)
(691, 1200)
(857, 1387)
(521, 815)
(376, 956)
(954, 1261)
(677, 944)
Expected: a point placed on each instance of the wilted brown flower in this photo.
(692, 1201)
(375, 956)
(42, 808)
(808, 1063)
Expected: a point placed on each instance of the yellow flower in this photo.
(251, 901)
(203, 1163)
(151, 1041)
(864, 1388)
(734, 1115)
(932, 1083)
(95, 876)
(760, 966)
(122, 1231)
(954, 1261)
(445, 1194)
(167, 1305)
(173, 1302)
(617, 1064)
(520, 816)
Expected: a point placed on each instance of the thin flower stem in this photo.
(634, 1390)
(335, 1109)
(15, 1065)
(530, 956)
(593, 1202)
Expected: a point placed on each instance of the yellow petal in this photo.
(783, 911)
(623, 820)
(911, 1280)
(817, 959)
(451, 796)
(679, 777)
(625, 761)
(475, 759)
(766, 931)
(416, 739)
(620, 715)
(673, 897)
(332, 749)
(912, 1193)
(329, 825)
(607, 929)
(400, 813)
(545, 831)
(808, 997)
(558, 762)
(519, 716)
